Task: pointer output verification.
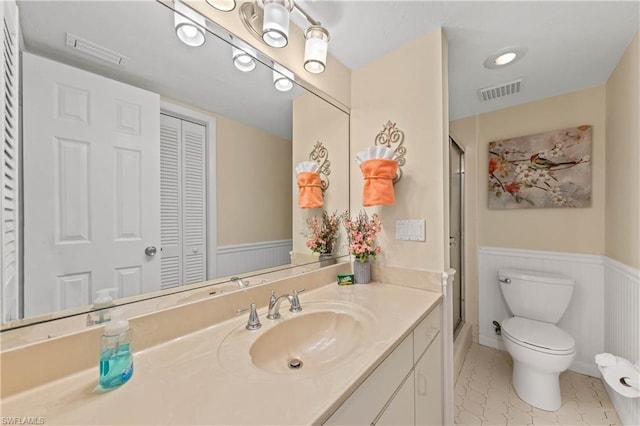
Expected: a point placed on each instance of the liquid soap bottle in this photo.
(116, 356)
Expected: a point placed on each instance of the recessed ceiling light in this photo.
(504, 57)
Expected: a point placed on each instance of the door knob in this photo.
(150, 251)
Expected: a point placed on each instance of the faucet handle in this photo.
(295, 301)
(254, 321)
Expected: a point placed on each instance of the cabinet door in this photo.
(366, 402)
(428, 385)
(400, 410)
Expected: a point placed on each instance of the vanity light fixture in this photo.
(189, 25)
(242, 60)
(275, 22)
(265, 20)
(222, 5)
(315, 49)
(504, 57)
(282, 78)
(243, 55)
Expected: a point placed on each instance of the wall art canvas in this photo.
(551, 169)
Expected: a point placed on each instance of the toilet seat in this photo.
(539, 336)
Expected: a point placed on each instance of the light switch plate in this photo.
(411, 229)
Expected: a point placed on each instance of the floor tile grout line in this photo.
(486, 376)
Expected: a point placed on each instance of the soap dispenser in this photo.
(116, 357)
(102, 303)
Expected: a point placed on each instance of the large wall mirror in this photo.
(148, 166)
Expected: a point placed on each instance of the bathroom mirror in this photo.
(152, 167)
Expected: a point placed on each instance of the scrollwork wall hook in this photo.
(391, 135)
(320, 155)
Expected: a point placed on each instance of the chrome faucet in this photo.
(274, 303)
(254, 321)
(241, 283)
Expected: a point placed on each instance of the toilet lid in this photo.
(540, 335)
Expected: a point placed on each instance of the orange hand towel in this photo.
(378, 176)
(310, 191)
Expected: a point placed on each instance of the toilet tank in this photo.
(536, 295)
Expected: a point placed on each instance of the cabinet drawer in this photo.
(425, 332)
(369, 399)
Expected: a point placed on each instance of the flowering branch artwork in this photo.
(550, 169)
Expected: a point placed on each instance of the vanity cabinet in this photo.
(428, 385)
(406, 388)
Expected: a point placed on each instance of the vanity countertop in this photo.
(183, 381)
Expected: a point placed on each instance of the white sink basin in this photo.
(308, 342)
(316, 339)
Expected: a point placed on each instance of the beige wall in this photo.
(407, 86)
(335, 81)
(314, 120)
(253, 175)
(254, 184)
(563, 229)
(622, 224)
(576, 230)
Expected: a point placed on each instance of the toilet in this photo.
(540, 350)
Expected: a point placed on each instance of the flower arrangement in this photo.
(324, 232)
(362, 235)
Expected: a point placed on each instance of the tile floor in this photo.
(484, 396)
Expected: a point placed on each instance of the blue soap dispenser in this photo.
(116, 356)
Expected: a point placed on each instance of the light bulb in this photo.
(505, 58)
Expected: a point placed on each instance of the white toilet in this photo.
(540, 350)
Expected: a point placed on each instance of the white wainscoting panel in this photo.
(239, 258)
(622, 327)
(584, 318)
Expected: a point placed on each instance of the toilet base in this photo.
(537, 388)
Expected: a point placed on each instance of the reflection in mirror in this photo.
(150, 166)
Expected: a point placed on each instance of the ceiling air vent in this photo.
(95, 50)
(501, 90)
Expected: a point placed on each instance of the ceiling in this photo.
(571, 45)
(143, 31)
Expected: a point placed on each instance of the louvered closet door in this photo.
(170, 201)
(9, 294)
(194, 202)
(183, 201)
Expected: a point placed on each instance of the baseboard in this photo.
(460, 348)
(492, 342)
(589, 369)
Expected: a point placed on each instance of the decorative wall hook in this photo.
(320, 155)
(391, 135)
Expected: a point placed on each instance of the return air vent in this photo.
(501, 90)
(95, 50)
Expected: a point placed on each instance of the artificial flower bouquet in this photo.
(323, 232)
(361, 233)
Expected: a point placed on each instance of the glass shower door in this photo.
(456, 229)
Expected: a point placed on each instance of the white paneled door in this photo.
(91, 187)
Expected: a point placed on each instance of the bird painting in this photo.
(545, 170)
